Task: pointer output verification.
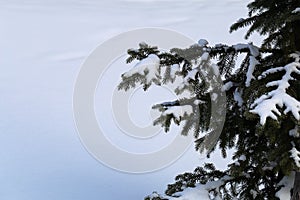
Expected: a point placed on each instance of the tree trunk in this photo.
(296, 189)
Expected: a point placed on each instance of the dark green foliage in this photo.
(198, 85)
(276, 19)
(262, 155)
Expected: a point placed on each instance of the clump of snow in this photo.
(198, 192)
(266, 105)
(155, 195)
(295, 132)
(253, 62)
(296, 56)
(203, 42)
(216, 184)
(214, 96)
(295, 154)
(254, 50)
(254, 53)
(174, 69)
(296, 10)
(227, 86)
(238, 97)
(237, 163)
(240, 20)
(198, 101)
(254, 193)
(148, 67)
(143, 43)
(242, 158)
(179, 111)
(205, 56)
(270, 71)
(191, 75)
(287, 182)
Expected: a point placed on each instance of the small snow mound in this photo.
(240, 20)
(203, 42)
(242, 158)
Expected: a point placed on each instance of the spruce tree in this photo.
(262, 103)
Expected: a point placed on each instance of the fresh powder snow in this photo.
(266, 105)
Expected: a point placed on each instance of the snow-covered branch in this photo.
(295, 154)
(267, 105)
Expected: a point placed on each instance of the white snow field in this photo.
(43, 44)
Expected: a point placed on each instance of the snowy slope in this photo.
(42, 46)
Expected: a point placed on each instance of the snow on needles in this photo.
(237, 95)
(266, 105)
(295, 154)
(249, 74)
(296, 10)
(179, 111)
(227, 86)
(148, 67)
(295, 132)
(203, 42)
(254, 53)
(201, 191)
